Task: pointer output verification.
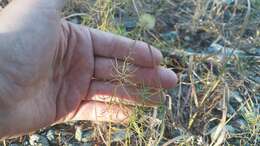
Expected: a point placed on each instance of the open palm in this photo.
(52, 70)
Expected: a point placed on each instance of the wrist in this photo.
(3, 130)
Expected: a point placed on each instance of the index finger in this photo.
(113, 46)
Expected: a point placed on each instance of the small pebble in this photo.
(78, 133)
(130, 24)
(13, 144)
(87, 144)
(51, 135)
(83, 135)
(26, 143)
(72, 144)
(169, 36)
(87, 136)
(119, 135)
(38, 140)
(254, 51)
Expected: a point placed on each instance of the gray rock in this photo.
(87, 136)
(130, 24)
(119, 135)
(72, 144)
(87, 144)
(26, 143)
(38, 140)
(51, 135)
(78, 133)
(254, 51)
(13, 144)
(169, 36)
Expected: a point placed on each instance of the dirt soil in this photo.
(213, 46)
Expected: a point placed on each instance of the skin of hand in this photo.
(54, 71)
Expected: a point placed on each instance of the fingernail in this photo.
(168, 78)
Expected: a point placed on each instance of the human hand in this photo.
(54, 71)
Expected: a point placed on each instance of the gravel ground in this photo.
(199, 43)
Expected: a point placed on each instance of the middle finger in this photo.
(122, 71)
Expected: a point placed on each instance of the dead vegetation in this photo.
(213, 45)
